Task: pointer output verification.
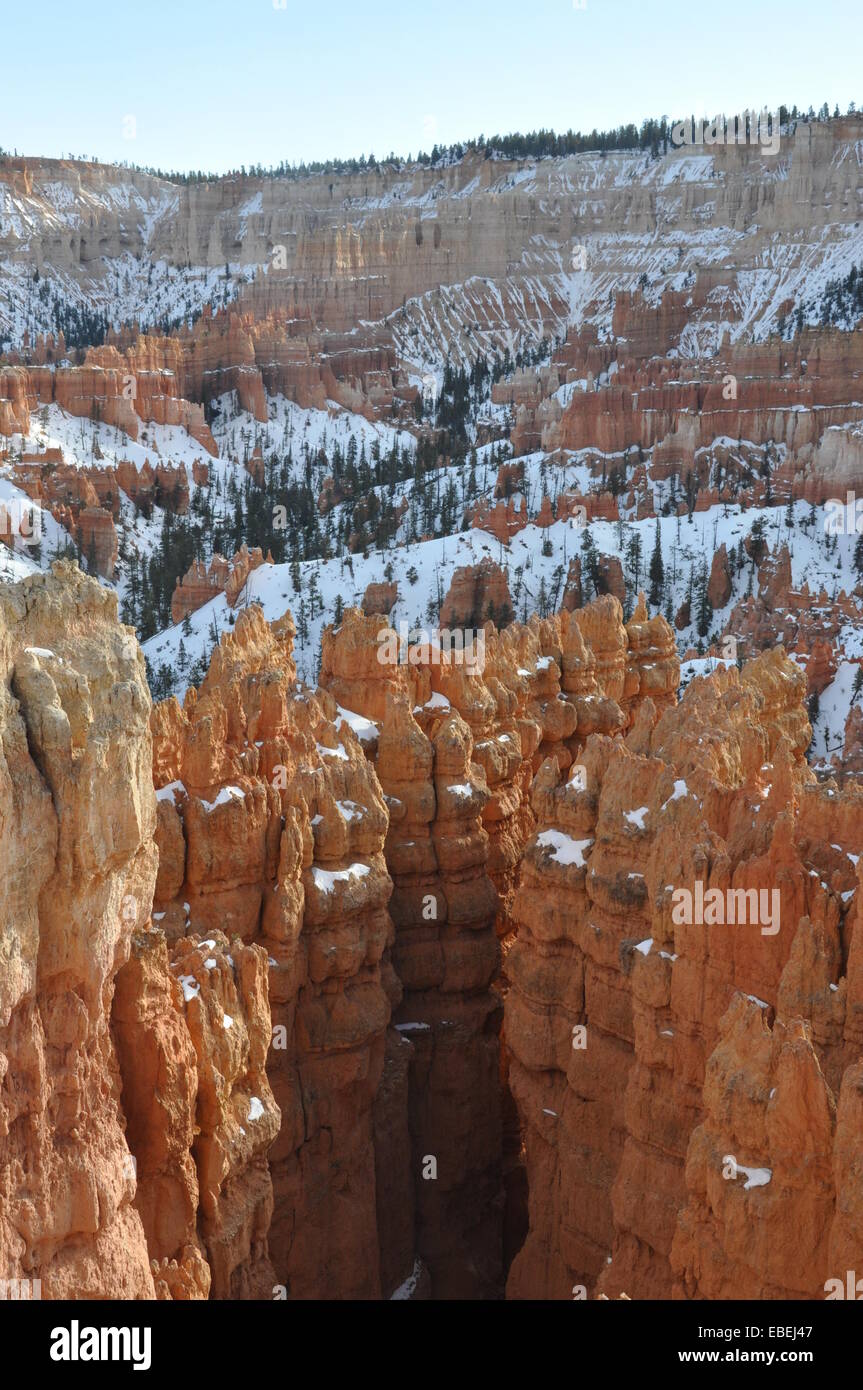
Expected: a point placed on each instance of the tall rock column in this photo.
(272, 822)
(77, 815)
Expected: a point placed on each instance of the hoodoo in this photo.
(431, 684)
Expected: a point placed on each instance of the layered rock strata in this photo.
(626, 1023)
(272, 827)
(251, 1026)
(136, 1114)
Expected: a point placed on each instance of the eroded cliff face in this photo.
(459, 737)
(445, 949)
(192, 1028)
(272, 826)
(681, 1082)
(466, 251)
(77, 816)
(390, 982)
(125, 1169)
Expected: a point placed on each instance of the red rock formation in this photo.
(197, 586)
(202, 582)
(610, 577)
(439, 732)
(16, 400)
(255, 466)
(319, 1148)
(116, 391)
(503, 520)
(141, 1158)
(572, 593)
(78, 813)
(380, 599)
(97, 537)
(277, 833)
(507, 710)
(807, 624)
(616, 1005)
(719, 585)
(476, 593)
(850, 765)
(241, 566)
(192, 1035)
(172, 488)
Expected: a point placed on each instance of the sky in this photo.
(216, 84)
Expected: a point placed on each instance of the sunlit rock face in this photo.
(77, 816)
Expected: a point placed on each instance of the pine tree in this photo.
(704, 615)
(633, 559)
(589, 563)
(657, 570)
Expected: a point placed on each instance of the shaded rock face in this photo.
(851, 761)
(379, 598)
(648, 1050)
(86, 501)
(97, 537)
(202, 582)
(192, 1027)
(455, 750)
(445, 951)
(719, 584)
(446, 956)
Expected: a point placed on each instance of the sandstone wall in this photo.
(251, 1027)
(77, 816)
(272, 827)
(136, 1113)
(645, 1051)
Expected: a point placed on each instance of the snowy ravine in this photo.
(423, 570)
(536, 560)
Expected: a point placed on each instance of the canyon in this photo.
(337, 961)
(277, 942)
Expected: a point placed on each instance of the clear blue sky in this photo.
(214, 84)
